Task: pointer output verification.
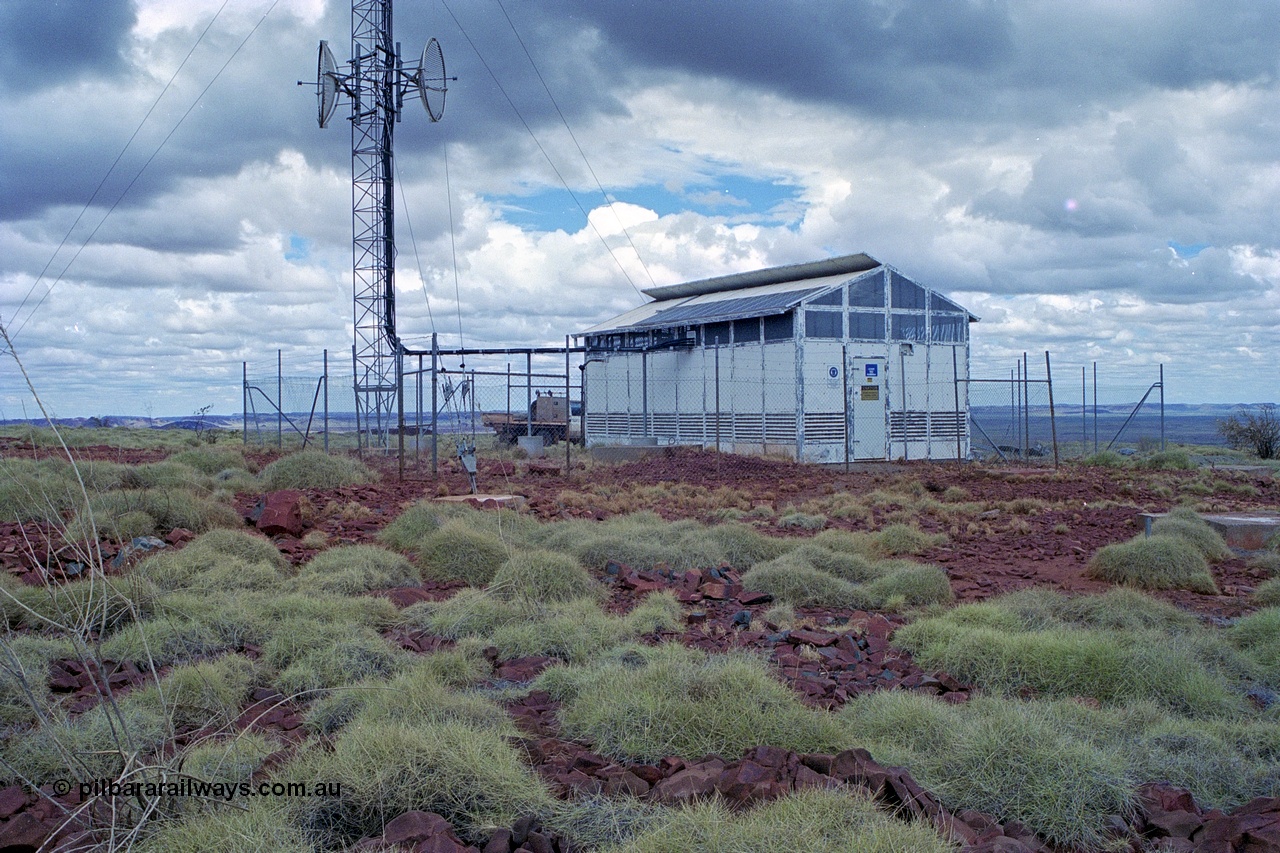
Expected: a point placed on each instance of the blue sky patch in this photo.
(734, 197)
(1187, 251)
(299, 248)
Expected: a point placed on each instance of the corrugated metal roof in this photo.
(733, 297)
(842, 265)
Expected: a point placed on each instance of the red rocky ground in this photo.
(834, 655)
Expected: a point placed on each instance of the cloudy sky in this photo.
(1098, 179)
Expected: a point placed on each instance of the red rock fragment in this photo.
(23, 832)
(813, 638)
(279, 513)
(695, 782)
(12, 799)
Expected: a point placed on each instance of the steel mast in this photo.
(376, 85)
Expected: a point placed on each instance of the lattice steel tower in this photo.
(376, 83)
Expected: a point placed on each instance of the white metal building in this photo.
(834, 360)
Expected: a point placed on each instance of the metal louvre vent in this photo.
(824, 426)
(690, 427)
(748, 429)
(921, 426)
(664, 426)
(780, 429)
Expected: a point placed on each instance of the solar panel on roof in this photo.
(725, 309)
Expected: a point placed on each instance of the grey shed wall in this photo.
(821, 374)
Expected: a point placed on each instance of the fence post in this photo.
(1026, 408)
(244, 398)
(902, 373)
(1084, 415)
(417, 415)
(1015, 423)
(1053, 423)
(568, 410)
(1095, 408)
(326, 401)
(1162, 408)
(435, 419)
(644, 393)
(955, 387)
(844, 373)
(717, 393)
(355, 395)
(528, 392)
(400, 405)
(279, 399)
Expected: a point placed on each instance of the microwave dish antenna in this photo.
(327, 83)
(431, 81)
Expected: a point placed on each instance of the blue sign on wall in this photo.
(833, 372)
(872, 370)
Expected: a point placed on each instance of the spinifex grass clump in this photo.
(1156, 562)
(812, 821)
(1268, 593)
(1186, 524)
(542, 576)
(815, 575)
(208, 693)
(262, 825)
(1168, 460)
(471, 776)
(644, 540)
(1258, 636)
(1019, 644)
(646, 703)
(1013, 760)
(458, 552)
(798, 583)
(574, 631)
(411, 526)
(1105, 459)
(96, 605)
(121, 513)
(24, 676)
(311, 655)
(314, 469)
(895, 540)
(38, 491)
(742, 546)
(212, 460)
(353, 569)
(417, 695)
(219, 560)
(97, 744)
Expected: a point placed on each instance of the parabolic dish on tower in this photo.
(432, 83)
(326, 83)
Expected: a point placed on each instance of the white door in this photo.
(868, 406)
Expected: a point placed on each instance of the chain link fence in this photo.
(542, 402)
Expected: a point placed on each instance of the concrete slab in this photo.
(1243, 531)
(486, 501)
(617, 454)
(1260, 470)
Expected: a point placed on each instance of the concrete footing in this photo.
(486, 501)
(1243, 531)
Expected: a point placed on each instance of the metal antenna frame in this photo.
(375, 86)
